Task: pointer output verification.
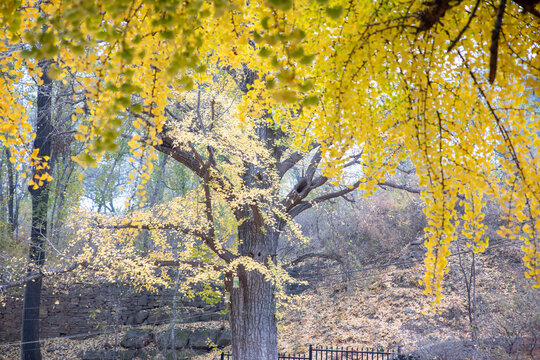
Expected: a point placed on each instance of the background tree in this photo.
(39, 191)
(11, 196)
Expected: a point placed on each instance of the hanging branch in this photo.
(334, 257)
(455, 41)
(494, 48)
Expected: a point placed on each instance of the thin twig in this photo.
(42, 274)
(455, 41)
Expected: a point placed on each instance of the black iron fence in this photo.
(334, 353)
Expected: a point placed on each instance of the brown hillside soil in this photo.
(384, 308)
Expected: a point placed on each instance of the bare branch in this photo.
(302, 206)
(385, 184)
(344, 197)
(175, 263)
(288, 163)
(458, 37)
(406, 171)
(198, 111)
(354, 160)
(306, 184)
(162, 226)
(304, 257)
(305, 205)
(313, 165)
(42, 274)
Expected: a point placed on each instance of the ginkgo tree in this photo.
(230, 225)
(396, 79)
(232, 222)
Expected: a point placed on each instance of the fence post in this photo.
(222, 356)
(310, 352)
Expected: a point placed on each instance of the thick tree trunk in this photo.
(252, 307)
(252, 317)
(30, 348)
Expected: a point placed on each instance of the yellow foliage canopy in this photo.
(434, 83)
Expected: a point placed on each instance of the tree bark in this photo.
(30, 347)
(253, 304)
(252, 317)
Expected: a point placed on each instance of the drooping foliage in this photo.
(445, 84)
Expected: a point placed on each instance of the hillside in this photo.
(378, 308)
(384, 308)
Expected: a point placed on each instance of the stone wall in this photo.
(83, 309)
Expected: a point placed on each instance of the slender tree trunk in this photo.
(30, 348)
(173, 320)
(17, 207)
(3, 210)
(470, 287)
(158, 190)
(59, 197)
(155, 197)
(11, 194)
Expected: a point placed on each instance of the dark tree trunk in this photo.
(30, 348)
(2, 202)
(252, 317)
(253, 302)
(253, 305)
(12, 220)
